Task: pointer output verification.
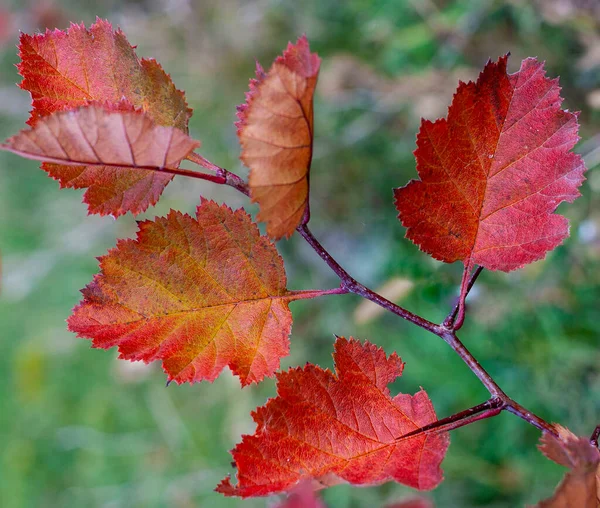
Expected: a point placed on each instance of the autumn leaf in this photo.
(580, 487)
(339, 427)
(493, 172)
(197, 293)
(66, 69)
(275, 129)
(103, 141)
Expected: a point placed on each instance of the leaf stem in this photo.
(292, 296)
(448, 322)
(226, 177)
(464, 290)
(353, 286)
(523, 413)
(487, 409)
(508, 403)
(196, 158)
(220, 179)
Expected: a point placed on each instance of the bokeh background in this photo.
(79, 428)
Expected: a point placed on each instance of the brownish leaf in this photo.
(107, 141)
(580, 487)
(275, 129)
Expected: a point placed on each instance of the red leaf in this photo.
(275, 129)
(494, 171)
(580, 487)
(66, 69)
(339, 427)
(199, 294)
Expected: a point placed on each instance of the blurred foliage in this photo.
(79, 428)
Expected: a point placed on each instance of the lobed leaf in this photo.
(275, 130)
(339, 427)
(197, 293)
(64, 70)
(493, 172)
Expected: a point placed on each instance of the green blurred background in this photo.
(79, 428)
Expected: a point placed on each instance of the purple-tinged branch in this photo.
(447, 331)
(489, 408)
(449, 321)
(292, 296)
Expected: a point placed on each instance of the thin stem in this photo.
(227, 177)
(460, 317)
(447, 331)
(516, 408)
(448, 335)
(220, 179)
(448, 322)
(313, 293)
(353, 286)
(236, 182)
(459, 348)
(196, 158)
(487, 409)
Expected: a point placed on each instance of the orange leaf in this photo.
(580, 487)
(199, 294)
(104, 141)
(275, 129)
(339, 427)
(66, 69)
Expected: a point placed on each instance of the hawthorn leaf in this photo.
(104, 141)
(341, 427)
(63, 70)
(580, 487)
(197, 293)
(493, 172)
(275, 129)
